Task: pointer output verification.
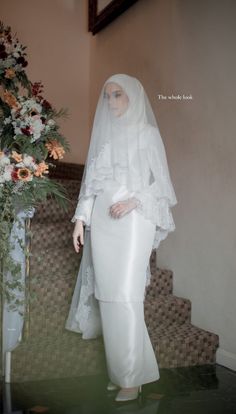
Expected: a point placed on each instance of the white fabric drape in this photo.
(84, 315)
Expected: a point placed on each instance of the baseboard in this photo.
(226, 358)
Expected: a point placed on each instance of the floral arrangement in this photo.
(29, 140)
(12, 60)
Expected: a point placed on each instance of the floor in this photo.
(197, 390)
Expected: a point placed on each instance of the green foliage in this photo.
(29, 138)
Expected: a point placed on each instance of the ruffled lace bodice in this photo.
(152, 187)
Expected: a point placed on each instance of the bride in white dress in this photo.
(123, 212)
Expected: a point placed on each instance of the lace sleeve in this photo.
(84, 210)
(156, 199)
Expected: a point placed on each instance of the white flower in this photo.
(10, 62)
(31, 104)
(18, 68)
(23, 110)
(7, 173)
(20, 165)
(7, 120)
(17, 130)
(36, 127)
(4, 160)
(28, 161)
(51, 122)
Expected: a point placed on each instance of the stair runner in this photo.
(50, 351)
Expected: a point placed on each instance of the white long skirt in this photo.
(129, 354)
(121, 251)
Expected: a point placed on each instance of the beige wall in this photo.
(55, 33)
(173, 47)
(187, 47)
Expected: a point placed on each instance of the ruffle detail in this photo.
(101, 173)
(155, 210)
(97, 173)
(158, 212)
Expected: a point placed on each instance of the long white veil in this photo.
(116, 152)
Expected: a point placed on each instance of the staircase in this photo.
(50, 351)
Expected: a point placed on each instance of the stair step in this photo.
(161, 283)
(66, 355)
(51, 304)
(47, 235)
(166, 310)
(183, 345)
(50, 211)
(54, 262)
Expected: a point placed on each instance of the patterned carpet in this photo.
(48, 350)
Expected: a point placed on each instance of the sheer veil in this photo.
(122, 148)
(129, 150)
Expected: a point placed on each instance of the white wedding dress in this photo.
(126, 160)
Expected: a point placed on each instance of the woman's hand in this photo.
(121, 208)
(78, 235)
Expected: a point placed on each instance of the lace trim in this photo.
(87, 313)
(85, 317)
(98, 171)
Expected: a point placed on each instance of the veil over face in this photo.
(129, 149)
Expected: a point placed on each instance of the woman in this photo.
(125, 199)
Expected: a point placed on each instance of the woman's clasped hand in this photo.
(121, 208)
(116, 211)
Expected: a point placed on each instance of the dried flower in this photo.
(11, 100)
(17, 157)
(10, 73)
(42, 168)
(55, 150)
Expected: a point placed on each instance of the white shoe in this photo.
(128, 394)
(111, 386)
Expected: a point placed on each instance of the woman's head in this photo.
(117, 99)
(125, 98)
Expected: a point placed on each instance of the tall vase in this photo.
(13, 320)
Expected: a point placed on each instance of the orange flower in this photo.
(24, 174)
(11, 100)
(16, 156)
(55, 150)
(10, 73)
(42, 168)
